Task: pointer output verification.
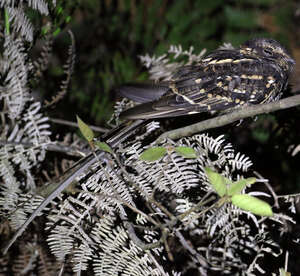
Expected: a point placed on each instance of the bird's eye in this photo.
(268, 52)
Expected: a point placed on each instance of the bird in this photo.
(254, 73)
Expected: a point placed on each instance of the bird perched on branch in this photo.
(256, 72)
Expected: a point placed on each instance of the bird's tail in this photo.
(113, 138)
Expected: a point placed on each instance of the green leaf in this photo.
(261, 135)
(153, 154)
(56, 32)
(103, 146)
(186, 152)
(237, 186)
(68, 19)
(217, 181)
(59, 10)
(283, 272)
(45, 30)
(252, 204)
(6, 19)
(86, 131)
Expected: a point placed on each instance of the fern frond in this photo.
(17, 162)
(18, 206)
(161, 68)
(26, 260)
(4, 265)
(94, 222)
(36, 125)
(40, 5)
(60, 242)
(41, 64)
(118, 255)
(20, 22)
(16, 92)
(46, 264)
(240, 162)
(81, 256)
(68, 70)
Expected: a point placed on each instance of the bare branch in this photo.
(73, 124)
(226, 119)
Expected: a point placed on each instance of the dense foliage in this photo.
(91, 223)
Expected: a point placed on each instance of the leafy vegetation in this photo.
(122, 215)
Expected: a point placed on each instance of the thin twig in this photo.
(190, 249)
(198, 206)
(122, 201)
(73, 124)
(276, 204)
(160, 268)
(134, 237)
(286, 261)
(7, 24)
(51, 146)
(164, 238)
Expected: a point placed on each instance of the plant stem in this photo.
(7, 25)
(234, 116)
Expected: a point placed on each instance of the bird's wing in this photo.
(224, 80)
(143, 92)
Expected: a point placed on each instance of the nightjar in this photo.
(256, 72)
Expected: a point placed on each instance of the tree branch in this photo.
(73, 124)
(51, 146)
(226, 119)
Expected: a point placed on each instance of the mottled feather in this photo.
(256, 72)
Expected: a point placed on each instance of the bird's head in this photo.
(269, 49)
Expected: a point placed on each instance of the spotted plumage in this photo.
(256, 72)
